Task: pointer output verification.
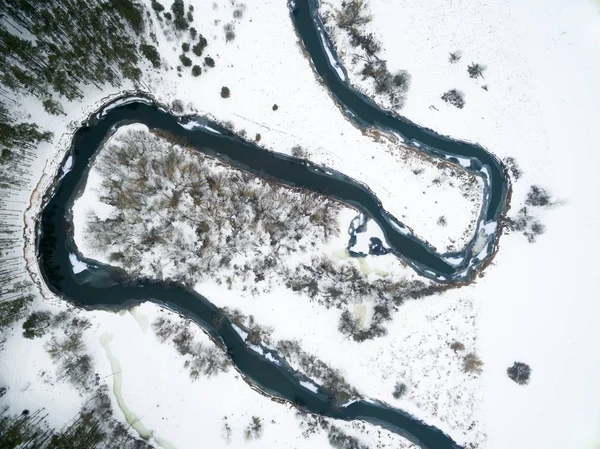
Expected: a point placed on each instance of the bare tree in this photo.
(353, 13)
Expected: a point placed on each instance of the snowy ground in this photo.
(416, 351)
(538, 302)
(157, 390)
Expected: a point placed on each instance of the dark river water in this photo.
(104, 287)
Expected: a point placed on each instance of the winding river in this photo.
(106, 287)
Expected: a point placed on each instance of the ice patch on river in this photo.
(78, 265)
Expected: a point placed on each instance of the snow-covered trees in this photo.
(526, 220)
(353, 13)
(182, 216)
(352, 18)
(207, 360)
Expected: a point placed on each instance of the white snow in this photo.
(309, 386)
(536, 303)
(78, 265)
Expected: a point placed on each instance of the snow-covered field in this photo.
(157, 390)
(536, 303)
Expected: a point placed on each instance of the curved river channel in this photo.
(105, 287)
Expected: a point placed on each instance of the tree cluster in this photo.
(336, 284)
(331, 380)
(254, 430)
(207, 360)
(351, 18)
(183, 217)
(74, 43)
(526, 220)
(454, 97)
(94, 427)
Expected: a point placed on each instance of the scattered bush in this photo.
(339, 440)
(257, 137)
(229, 32)
(457, 346)
(275, 107)
(209, 61)
(538, 196)
(168, 15)
(353, 13)
(199, 359)
(331, 379)
(196, 70)
(513, 167)
(526, 223)
(442, 221)
(399, 390)
(368, 42)
(225, 93)
(177, 106)
(238, 12)
(455, 98)
(193, 33)
(254, 430)
(185, 47)
(519, 372)
(475, 70)
(454, 57)
(472, 364)
(298, 151)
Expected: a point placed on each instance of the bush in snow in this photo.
(472, 363)
(331, 380)
(196, 70)
(208, 360)
(454, 57)
(457, 346)
(177, 106)
(475, 70)
(538, 196)
(225, 93)
(513, 167)
(368, 42)
(455, 98)
(353, 13)
(340, 440)
(519, 372)
(229, 32)
(399, 390)
(254, 430)
(185, 47)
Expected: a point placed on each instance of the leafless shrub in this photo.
(353, 13)
(472, 364)
(254, 430)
